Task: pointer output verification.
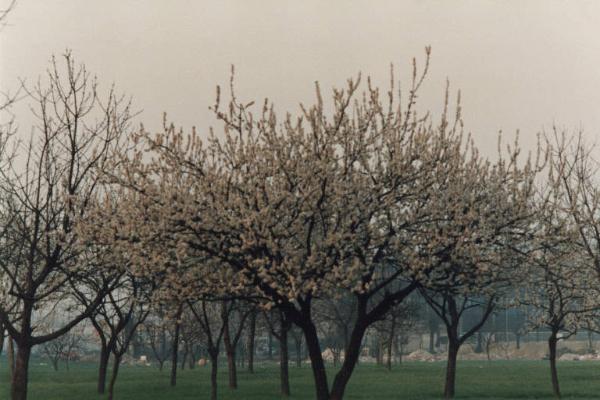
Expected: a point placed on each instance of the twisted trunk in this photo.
(103, 368)
(302, 318)
(113, 378)
(351, 357)
(316, 360)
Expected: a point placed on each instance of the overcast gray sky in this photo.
(520, 64)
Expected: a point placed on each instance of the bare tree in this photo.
(116, 320)
(481, 217)
(451, 308)
(156, 336)
(130, 320)
(559, 294)
(63, 348)
(209, 316)
(234, 315)
(335, 318)
(5, 11)
(192, 336)
(395, 328)
(45, 193)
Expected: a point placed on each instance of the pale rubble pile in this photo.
(568, 351)
(422, 355)
(579, 357)
(571, 351)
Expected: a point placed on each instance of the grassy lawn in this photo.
(476, 380)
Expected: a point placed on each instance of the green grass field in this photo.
(476, 380)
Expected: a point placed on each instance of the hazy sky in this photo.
(520, 64)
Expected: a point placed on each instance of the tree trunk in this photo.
(451, 314)
(400, 350)
(388, 363)
(113, 378)
(298, 342)
(283, 361)
(552, 341)
(351, 357)
(2, 336)
(270, 346)
(391, 340)
(185, 355)
(251, 340)
(453, 346)
(479, 346)
(20, 374)
(104, 357)
(316, 361)
(230, 352)
(54, 361)
(193, 358)
(431, 341)
(10, 356)
(162, 349)
(241, 358)
(231, 368)
(175, 350)
(136, 345)
(518, 338)
(214, 359)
